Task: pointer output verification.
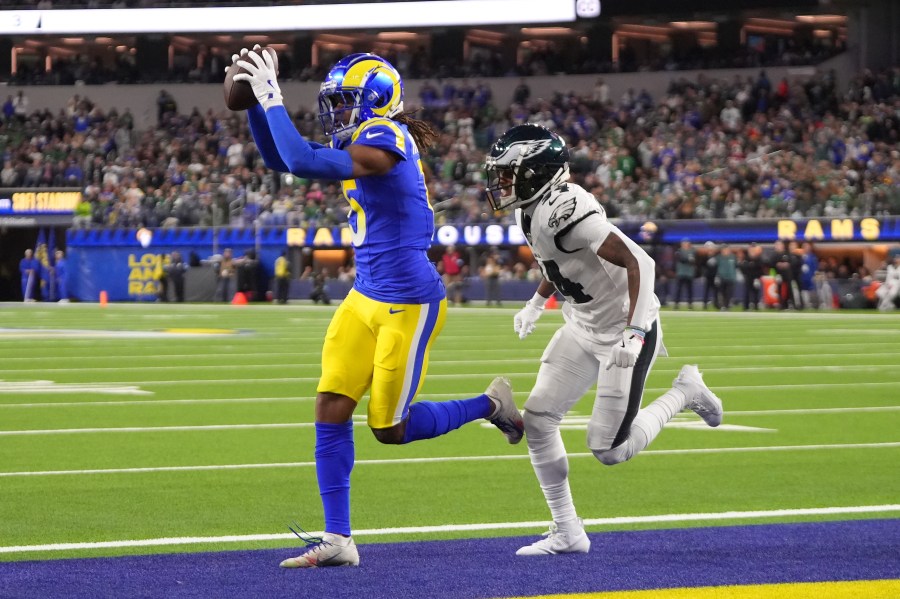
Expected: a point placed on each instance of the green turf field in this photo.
(203, 429)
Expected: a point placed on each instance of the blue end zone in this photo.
(482, 568)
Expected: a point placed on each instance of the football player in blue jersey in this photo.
(380, 336)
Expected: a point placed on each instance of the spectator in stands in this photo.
(247, 268)
(490, 274)
(751, 267)
(784, 279)
(319, 292)
(282, 277)
(726, 276)
(30, 269)
(685, 271)
(453, 277)
(809, 266)
(796, 261)
(175, 273)
(60, 277)
(225, 271)
(20, 106)
(710, 262)
(9, 109)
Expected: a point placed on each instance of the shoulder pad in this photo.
(381, 133)
(569, 204)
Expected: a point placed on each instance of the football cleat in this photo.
(506, 416)
(331, 550)
(556, 541)
(700, 399)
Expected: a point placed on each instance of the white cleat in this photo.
(555, 541)
(333, 550)
(506, 416)
(700, 399)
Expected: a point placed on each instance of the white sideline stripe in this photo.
(158, 429)
(316, 366)
(282, 365)
(482, 375)
(217, 400)
(360, 421)
(474, 458)
(47, 387)
(444, 528)
(535, 358)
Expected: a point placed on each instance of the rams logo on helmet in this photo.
(358, 87)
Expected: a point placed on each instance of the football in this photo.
(238, 94)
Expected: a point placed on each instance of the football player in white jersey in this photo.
(611, 334)
(890, 290)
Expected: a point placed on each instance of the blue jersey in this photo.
(392, 222)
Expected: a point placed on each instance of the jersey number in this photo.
(358, 232)
(567, 287)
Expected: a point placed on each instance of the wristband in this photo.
(637, 331)
(537, 301)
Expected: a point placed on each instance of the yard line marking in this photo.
(42, 387)
(481, 375)
(45, 358)
(475, 458)
(157, 429)
(216, 400)
(444, 528)
(228, 400)
(885, 332)
(281, 366)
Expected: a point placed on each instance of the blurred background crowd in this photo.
(708, 148)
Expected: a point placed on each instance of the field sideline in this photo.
(136, 429)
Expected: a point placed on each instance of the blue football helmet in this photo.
(357, 88)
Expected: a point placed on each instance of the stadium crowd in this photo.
(745, 148)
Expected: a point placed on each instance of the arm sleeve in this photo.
(259, 127)
(301, 158)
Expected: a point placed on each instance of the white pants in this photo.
(570, 366)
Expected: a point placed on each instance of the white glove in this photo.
(240, 56)
(526, 319)
(625, 353)
(262, 77)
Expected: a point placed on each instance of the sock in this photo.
(429, 419)
(551, 466)
(334, 461)
(650, 420)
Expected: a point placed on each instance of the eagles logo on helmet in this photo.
(358, 87)
(523, 164)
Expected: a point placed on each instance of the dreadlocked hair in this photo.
(422, 131)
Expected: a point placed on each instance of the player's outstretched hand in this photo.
(261, 75)
(526, 319)
(625, 353)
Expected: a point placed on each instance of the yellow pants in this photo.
(372, 344)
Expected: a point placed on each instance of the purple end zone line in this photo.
(483, 568)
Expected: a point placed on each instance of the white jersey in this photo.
(564, 230)
(892, 275)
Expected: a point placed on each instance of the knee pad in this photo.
(540, 426)
(616, 455)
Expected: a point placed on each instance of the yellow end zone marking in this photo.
(871, 589)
